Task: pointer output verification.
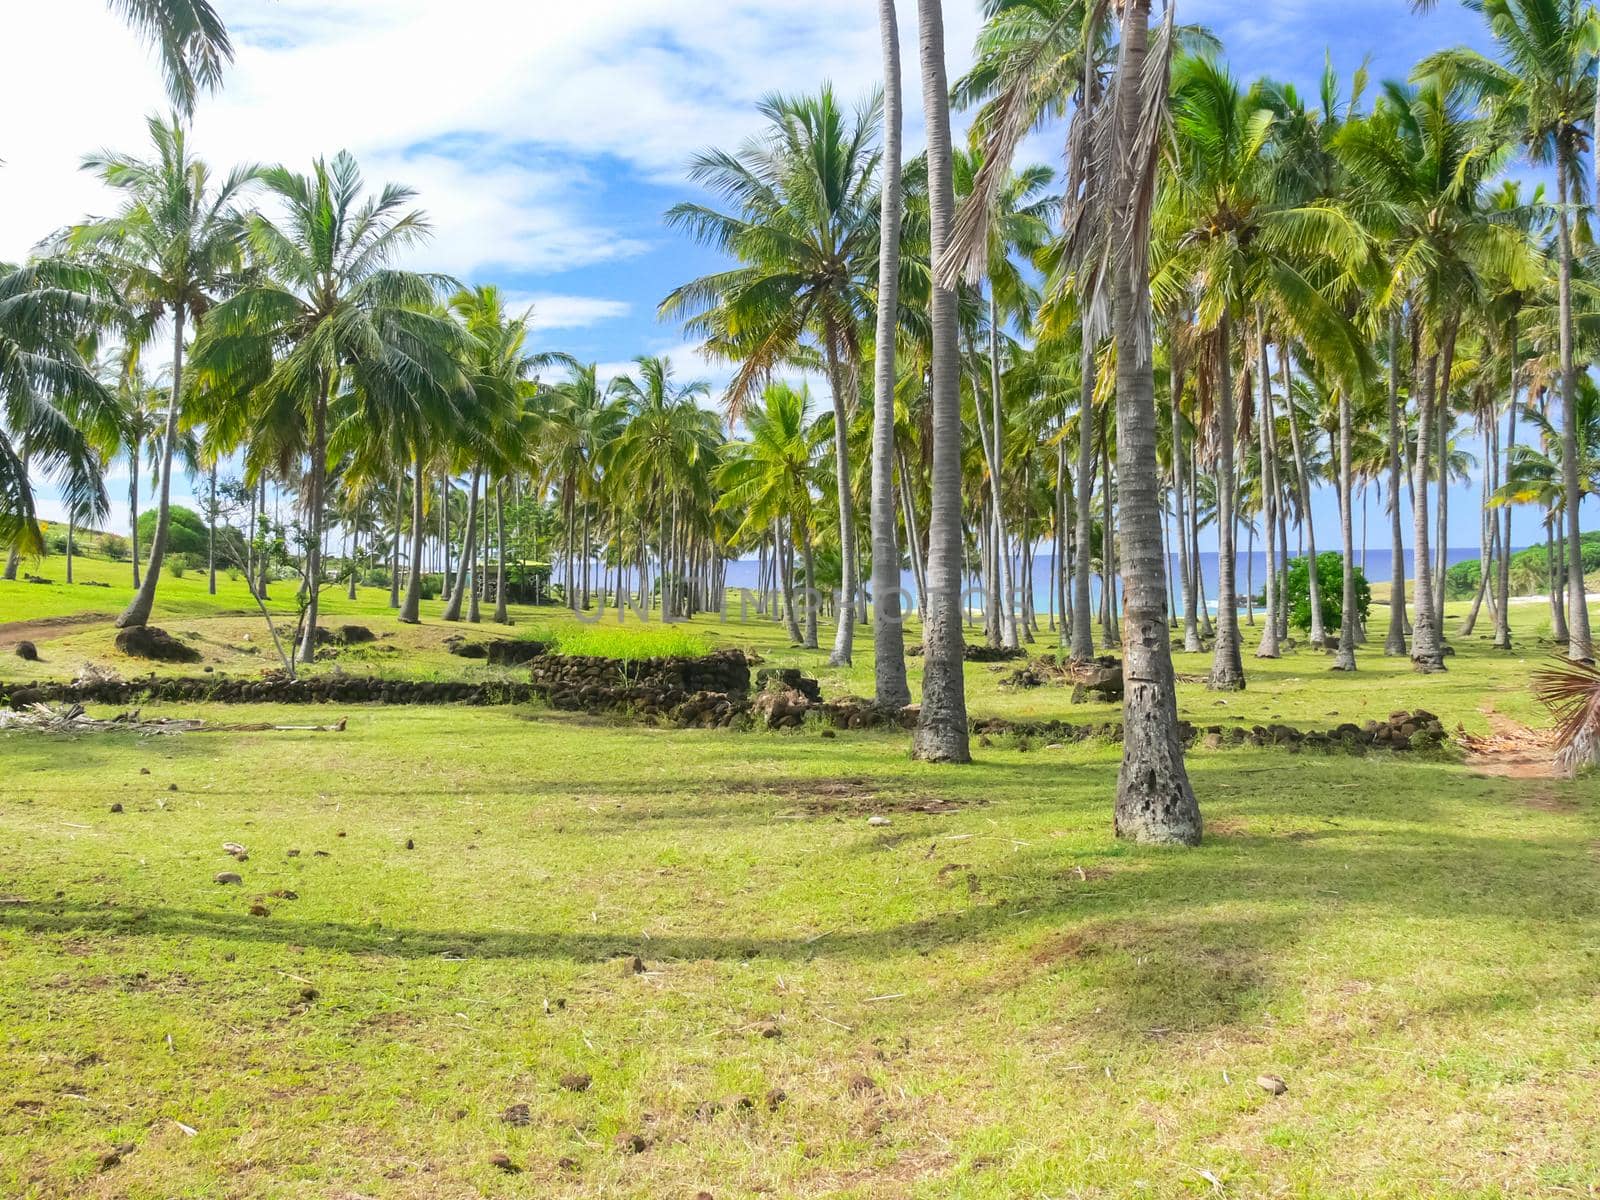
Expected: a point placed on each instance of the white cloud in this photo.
(505, 114)
(552, 311)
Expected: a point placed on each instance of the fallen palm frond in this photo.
(71, 718)
(1571, 691)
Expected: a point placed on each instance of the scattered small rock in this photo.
(339, 834)
(291, 854)
(632, 1143)
(144, 770)
(411, 844)
(774, 1098)
(879, 821)
(1271, 1083)
(861, 1085)
(769, 1029)
(115, 1155)
(320, 854)
(27, 652)
(309, 993)
(633, 965)
(117, 807)
(260, 910)
(517, 1115)
(567, 1164)
(285, 894)
(172, 787)
(229, 877)
(502, 1162)
(575, 1081)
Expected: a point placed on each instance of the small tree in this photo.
(1330, 582)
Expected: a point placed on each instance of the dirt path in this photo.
(12, 632)
(1511, 750)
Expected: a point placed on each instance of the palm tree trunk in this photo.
(1502, 619)
(839, 384)
(1345, 659)
(1008, 611)
(1427, 652)
(1319, 635)
(1395, 642)
(211, 535)
(1227, 668)
(394, 544)
(1191, 627)
(138, 610)
(891, 687)
(1268, 647)
(1082, 648)
(1155, 802)
(941, 734)
(1578, 647)
(1111, 631)
(319, 475)
(458, 595)
(411, 611)
(501, 615)
(475, 544)
(813, 596)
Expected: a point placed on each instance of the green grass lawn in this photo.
(997, 1001)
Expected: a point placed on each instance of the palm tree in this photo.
(1418, 163)
(805, 231)
(941, 734)
(891, 688)
(325, 311)
(190, 38)
(661, 451)
(768, 480)
(55, 415)
(1542, 92)
(172, 250)
(1155, 802)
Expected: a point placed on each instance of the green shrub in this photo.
(1330, 579)
(113, 546)
(178, 564)
(186, 531)
(375, 577)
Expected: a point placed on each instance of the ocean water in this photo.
(1253, 569)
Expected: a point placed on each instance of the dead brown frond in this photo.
(1571, 691)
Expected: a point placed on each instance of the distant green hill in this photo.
(1529, 571)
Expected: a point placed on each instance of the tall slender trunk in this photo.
(1227, 668)
(1269, 499)
(1395, 642)
(138, 610)
(1155, 802)
(1111, 632)
(211, 535)
(1441, 526)
(1008, 609)
(1319, 635)
(840, 380)
(72, 519)
(133, 505)
(941, 734)
(411, 610)
(319, 477)
(1082, 645)
(1578, 646)
(1191, 626)
(394, 543)
(501, 615)
(1427, 651)
(1502, 619)
(1345, 660)
(813, 597)
(474, 572)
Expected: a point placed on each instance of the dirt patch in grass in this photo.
(12, 632)
(1511, 750)
(856, 796)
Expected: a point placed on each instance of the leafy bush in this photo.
(629, 642)
(55, 539)
(186, 531)
(1330, 579)
(1530, 570)
(375, 577)
(178, 564)
(114, 546)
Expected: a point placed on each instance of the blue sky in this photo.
(547, 140)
